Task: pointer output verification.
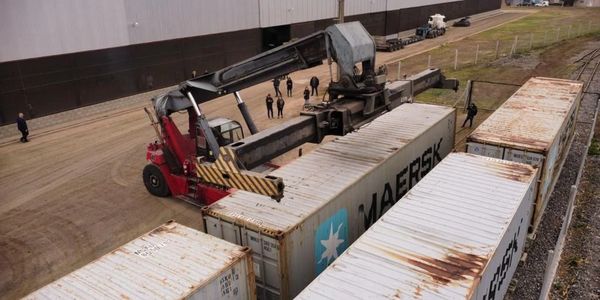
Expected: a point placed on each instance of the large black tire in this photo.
(155, 181)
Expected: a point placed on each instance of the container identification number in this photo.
(226, 283)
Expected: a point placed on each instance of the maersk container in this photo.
(536, 125)
(170, 262)
(332, 195)
(458, 234)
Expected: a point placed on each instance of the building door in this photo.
(275, 36)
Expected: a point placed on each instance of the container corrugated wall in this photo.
(536, 125)
(332, 195)
(458, 234)
(400, 4)
(170, 262)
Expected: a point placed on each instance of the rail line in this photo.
(555, 254)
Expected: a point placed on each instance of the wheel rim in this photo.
(154, 181)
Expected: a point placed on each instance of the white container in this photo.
(170, 262)
(536, 125)
(458, 234)
(338, 190)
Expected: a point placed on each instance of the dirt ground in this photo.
(73, 194)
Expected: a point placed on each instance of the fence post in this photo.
(455, 59)
(513, 50)
(497, 48)
(477, 54)
(530, 41)
(399, 67)
(469, 93)
(429, 61)
(558, 34)
(569, 32)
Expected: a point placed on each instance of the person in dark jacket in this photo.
(314, 84)
(471, 113)
(22, 126)
(276, 87)
(289, 84)
(269, 102)
(306, 95)
(280, 104)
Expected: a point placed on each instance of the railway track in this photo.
(530, 276)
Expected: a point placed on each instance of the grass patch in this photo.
(594, 148)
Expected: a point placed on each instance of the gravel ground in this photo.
(579, 269)
(528, 279)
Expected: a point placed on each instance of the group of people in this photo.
(314, 84)
(280, 103)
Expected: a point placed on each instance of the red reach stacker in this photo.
(214, 158)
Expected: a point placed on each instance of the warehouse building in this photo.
(58, 55)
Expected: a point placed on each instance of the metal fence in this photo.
(460, 55)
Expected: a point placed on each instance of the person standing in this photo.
(314, 84)
(471, 113)
(269, 102)
(280, 104)
(306, 95)
(276, 87)
(22, 126)
(289, 84)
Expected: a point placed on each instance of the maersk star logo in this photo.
(331, 239)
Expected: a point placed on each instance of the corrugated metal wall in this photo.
(587, 3)
(400, 4)
(46, 85)
(42, 28)
(33, 28)
(280, 12)
(47, 67)
(36, 28)
(357, 7)
(164, 20)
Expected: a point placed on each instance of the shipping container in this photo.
(170, 262)
(458, 234)
(332, 195)
(535, 125)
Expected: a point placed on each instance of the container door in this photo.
(265, 254)
(223, 230)
(231, 284)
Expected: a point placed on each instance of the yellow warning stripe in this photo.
(249, 182)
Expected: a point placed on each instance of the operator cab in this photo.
(226, 131)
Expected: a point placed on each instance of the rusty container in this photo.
(458, 234)
(332, 195)
(170, 262)
(536, 126)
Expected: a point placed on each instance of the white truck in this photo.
(436, 26)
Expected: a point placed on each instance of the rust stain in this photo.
(519, 172)
(507, 140)
(418, 291)
(167, 228)
(455, 266)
